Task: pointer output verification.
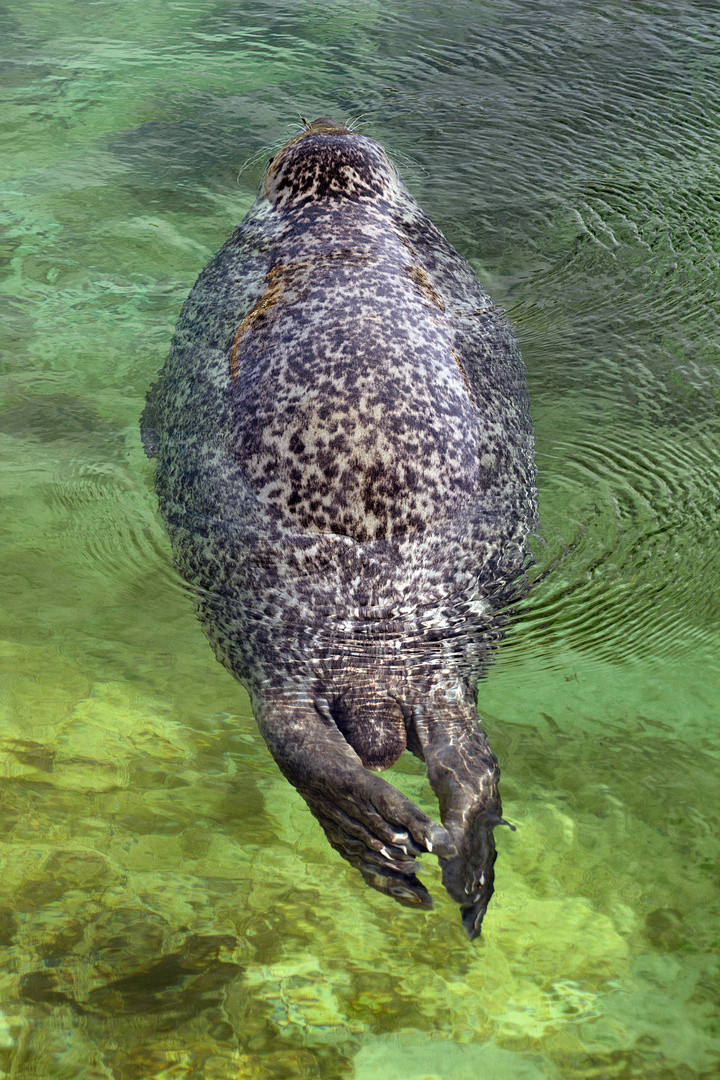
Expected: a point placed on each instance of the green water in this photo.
(168, 907)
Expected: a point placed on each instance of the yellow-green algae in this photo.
(169, 902)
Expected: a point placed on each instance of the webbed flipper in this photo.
(464, 774)
(368, 821)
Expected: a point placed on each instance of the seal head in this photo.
(328, 162)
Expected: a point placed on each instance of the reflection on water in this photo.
(167, 905)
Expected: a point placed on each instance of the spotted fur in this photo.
(344, 463)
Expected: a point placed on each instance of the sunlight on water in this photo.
(168, 907)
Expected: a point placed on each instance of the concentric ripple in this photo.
(630, 521)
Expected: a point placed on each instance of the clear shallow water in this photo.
(168, 907)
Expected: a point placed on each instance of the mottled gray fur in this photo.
(345, 469)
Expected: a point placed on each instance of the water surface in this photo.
(168, 907)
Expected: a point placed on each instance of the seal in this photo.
(345, 469)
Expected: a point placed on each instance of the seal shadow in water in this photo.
(345, 470)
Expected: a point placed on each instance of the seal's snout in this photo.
(325, 126)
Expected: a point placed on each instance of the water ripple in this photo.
(631, 545)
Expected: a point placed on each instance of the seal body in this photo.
(345, 469)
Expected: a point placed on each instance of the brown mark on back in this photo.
(421, 279)
(458, 361)
(278, 278)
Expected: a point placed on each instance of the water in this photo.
(168, 907)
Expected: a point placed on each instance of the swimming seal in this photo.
(345, 469)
